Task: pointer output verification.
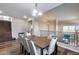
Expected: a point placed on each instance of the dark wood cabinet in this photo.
(5, 31)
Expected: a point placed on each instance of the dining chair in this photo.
(51, 47)
(28, 34)
(24, 42)
(26, 45)
(33, 50)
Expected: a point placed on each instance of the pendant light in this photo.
(36, 12)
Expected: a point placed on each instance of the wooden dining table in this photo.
(41, 42)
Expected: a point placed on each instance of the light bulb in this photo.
(40, 13)
(34, 12)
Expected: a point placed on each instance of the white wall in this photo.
(18, 25)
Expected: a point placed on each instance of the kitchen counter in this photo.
(68, 47)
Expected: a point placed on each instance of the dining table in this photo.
(40, 42)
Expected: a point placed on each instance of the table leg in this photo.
(21, 47)
(41, 51)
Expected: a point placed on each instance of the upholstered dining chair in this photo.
(51, 47)
(33, 50)
(25, 45)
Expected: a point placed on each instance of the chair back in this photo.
(24, 42)
(33, 50)
(52, 46)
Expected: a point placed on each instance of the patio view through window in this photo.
(71, 34)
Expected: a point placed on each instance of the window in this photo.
(77, 28)
(69, 28)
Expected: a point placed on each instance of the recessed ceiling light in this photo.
(24, 16)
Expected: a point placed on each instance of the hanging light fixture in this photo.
(40, 13)
(36, 12)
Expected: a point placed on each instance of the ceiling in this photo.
(21, 9)
(64, 11)
(67, 11)
(47, 18)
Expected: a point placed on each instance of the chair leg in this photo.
(55, 49)
(26, 53)
(21, 48)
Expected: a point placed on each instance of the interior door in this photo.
(5, 31)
